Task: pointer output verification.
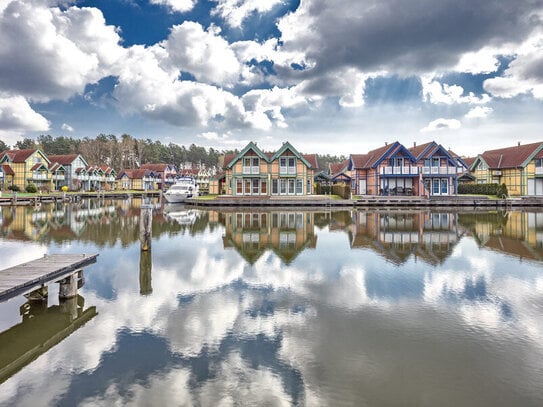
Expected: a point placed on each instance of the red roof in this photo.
(370, 159)
(417, 150)
(18, 156)
(337, 168)
(469, 161)
(64, 159)
(312, 160)
(155, 167)
(228, 158)
(136, 173)
(7, 169)
(510, 157)
(36, 166)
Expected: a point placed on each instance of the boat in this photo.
(184, 187)
(181, 215)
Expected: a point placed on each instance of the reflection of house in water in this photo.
(253, 233)
(396, 235)
(41, 328)
(519, 234)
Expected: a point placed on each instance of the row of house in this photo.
(51, 172)
(393, 169)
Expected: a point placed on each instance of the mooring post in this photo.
(68, 287)
(14, 199)
(146, 221)
(68, 306)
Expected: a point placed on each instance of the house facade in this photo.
(439, 169)
(513, 166)
(388, 170)
(137, 179)
(284, 172)
(71, 163)
(165, 174)
(28, 166)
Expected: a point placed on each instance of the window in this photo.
(256, 184)
(239, 187)
(287, 165)
(275, 190)
(299, 186)
(247, 189)
(308, 189)
(435, 186)
(539, 162)
(435, 162)
(291, 186)
(283, 183)
(444, 186)
(263, 187)
(398, 162)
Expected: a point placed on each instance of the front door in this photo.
(362, 187)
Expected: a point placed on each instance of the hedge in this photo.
(483, 189)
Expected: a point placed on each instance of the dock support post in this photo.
(39, 294)
(146, 221)
(68, 287)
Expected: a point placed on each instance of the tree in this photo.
(26, 143)
(3, 146)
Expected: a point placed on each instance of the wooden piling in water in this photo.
(146, 222)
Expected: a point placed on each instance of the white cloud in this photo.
(435, 92)
(49, 53)
(205, 54)
(176, 5)
(67, 127)
(441, 124)
(483, 61)
(235, 11)
(16, 114)
(524, 74)
(479, 112)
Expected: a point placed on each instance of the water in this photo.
(241, 307)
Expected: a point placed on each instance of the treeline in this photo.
(127, 152)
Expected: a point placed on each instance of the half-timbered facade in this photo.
(29, 166)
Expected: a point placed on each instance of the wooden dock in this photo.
(39, 273)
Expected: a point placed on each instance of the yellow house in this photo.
(28, 166)
(137, 179)
(512, 166)
(253, 172)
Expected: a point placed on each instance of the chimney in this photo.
(519, 143)
(414, 144)
(386, 143)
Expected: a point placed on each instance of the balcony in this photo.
(399, 171)
(148, 179)
(83, 178)
(441, 170)
(538, 170)
(38, 176)
(59, 177)
(287, 170)
(251, 170)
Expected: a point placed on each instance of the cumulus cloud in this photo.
(441, 124)
(479, 112)
(176, 5)
(524, 74)
(204, 54)
(16, 114)
(235, 11)
(436, 92)
(388, 35)
(74, 47)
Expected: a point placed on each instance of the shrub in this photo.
(502, 191)
(31, 188)
(343, 191)
(14, 188)
(478, 189)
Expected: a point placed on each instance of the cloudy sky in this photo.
(328, 76)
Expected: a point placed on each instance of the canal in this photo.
(277, 307)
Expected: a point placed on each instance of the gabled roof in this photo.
(6, 168)
(337, 168)
(56, 167)
(420, 150)
(37, 166)
(20, 156)
(227, 159)
(312, 160)
(136, 173)
(251, 146)
(287, 146)
(511, 157)
(156, 167)
(428, 150)
(469, 161)
(65, 159)
(373, 158)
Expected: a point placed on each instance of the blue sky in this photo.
(329, 77)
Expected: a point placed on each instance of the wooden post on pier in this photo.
(68, 287)
(146, 221)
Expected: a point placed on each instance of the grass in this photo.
(208, 197)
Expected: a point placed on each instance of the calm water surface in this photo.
(256, 307)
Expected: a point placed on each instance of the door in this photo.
(362, 187)
(531, 187)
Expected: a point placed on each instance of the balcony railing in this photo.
(39, 176)
(441, 170)
(83, 177)
(539, 170)
(399, 171)
(251, 170)
(59, 177)
(287, 170)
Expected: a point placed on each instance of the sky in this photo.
(336, 77)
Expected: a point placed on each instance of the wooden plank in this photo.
(25, 277)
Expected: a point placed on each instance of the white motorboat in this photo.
(180, 215)
(185, 187)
